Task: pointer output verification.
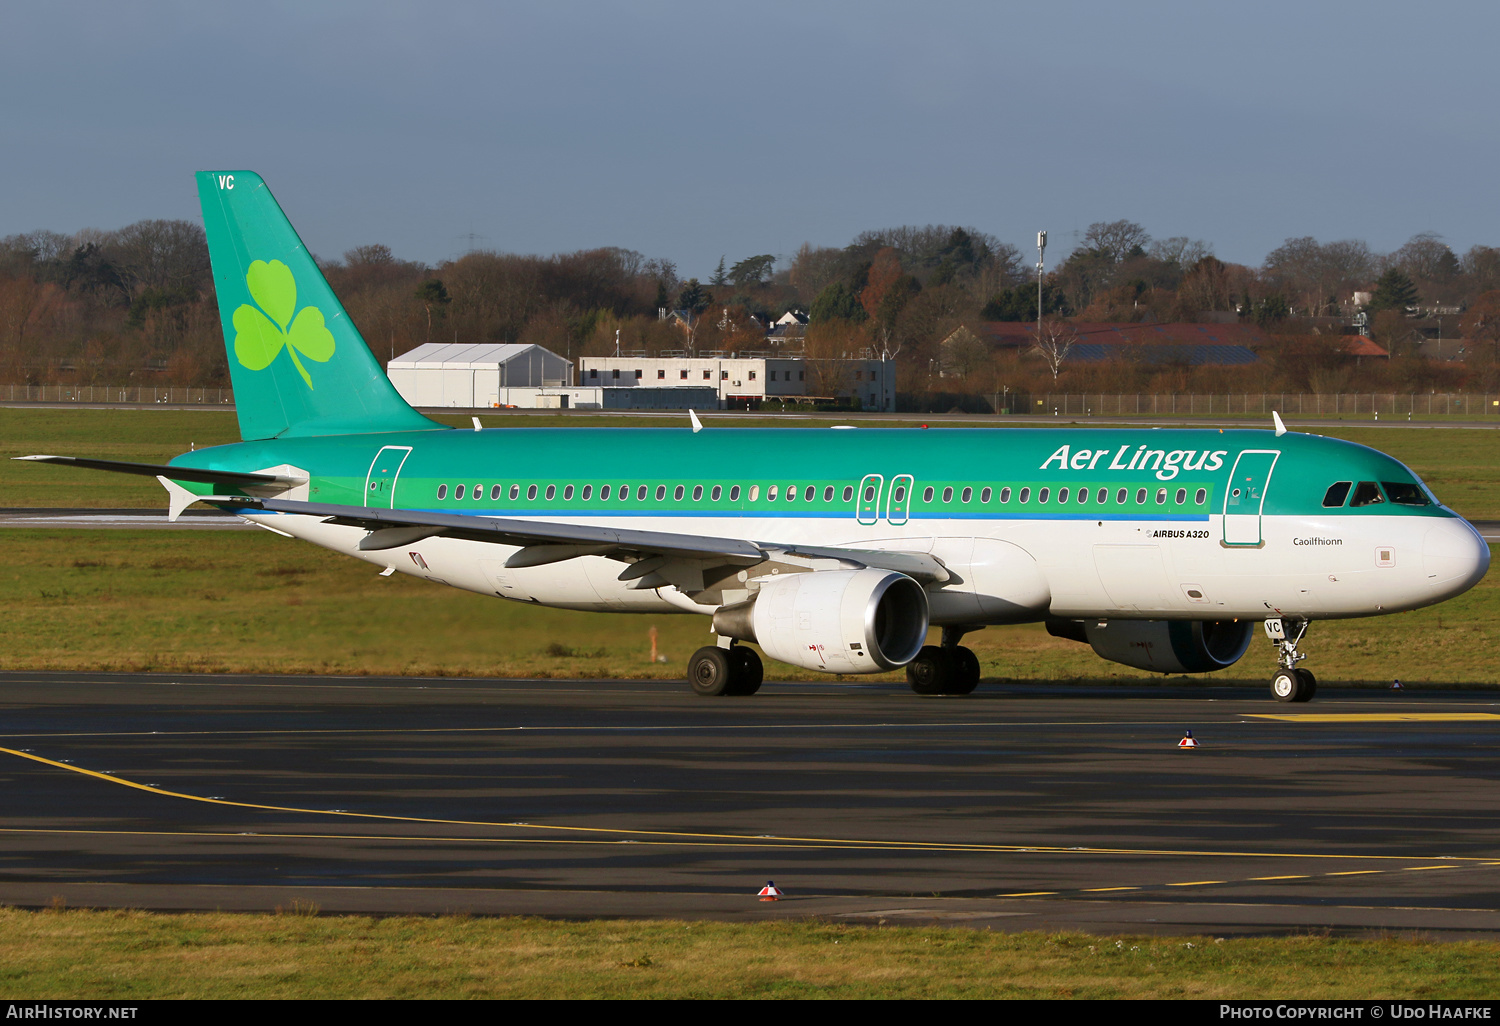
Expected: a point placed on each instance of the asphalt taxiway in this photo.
(1018, 807)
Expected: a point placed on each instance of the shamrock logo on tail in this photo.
(260, 333)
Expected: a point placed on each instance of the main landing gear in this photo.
(736, 670)
(949, 670)
(1291, 683)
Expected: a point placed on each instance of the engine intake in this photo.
(836, 621)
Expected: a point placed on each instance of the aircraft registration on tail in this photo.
(834, 551)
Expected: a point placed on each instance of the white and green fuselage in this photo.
(1034, 523)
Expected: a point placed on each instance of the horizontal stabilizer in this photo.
(195, 474)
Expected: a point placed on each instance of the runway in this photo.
(1015, 808)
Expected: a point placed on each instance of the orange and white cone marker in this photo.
(769, 892)
(1188, 741)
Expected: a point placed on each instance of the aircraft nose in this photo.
(1454, 556)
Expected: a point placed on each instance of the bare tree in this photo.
(1315, 273)
(1115, 239)
(1053, 340)
(963, 353)
(1180, 250)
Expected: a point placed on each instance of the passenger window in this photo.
(828, 494)
(968, 493)
(754, 492)
(494, 493)
(515, 492)
(811, 493)
(478, 492)
(677, 493)
(1004, 495)
(926, 495)
(900, 495)
(624, 493)
(984, 496)
(734, 493)
(1404, 494)
(1062, 495)
(771, 494)
(442, 491)
(1337, 493)
(848, 492)
(531, 491)
(1043, 495)
(1366, 493)
(1083, 495)
(603, 492)
(568, 494)
(717, 491)
(661, 492)
(947, 494)
(588, 492)
(1103, 497)
(1161, 496)
(1140, 496)
(791, 493)
(640, 493)
(1181, 496)
(551, 492)
(458, 493)
(1201, 497)
(1025, 495)
(697, 493)
(1121, 496)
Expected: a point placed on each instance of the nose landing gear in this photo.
(1291, 683)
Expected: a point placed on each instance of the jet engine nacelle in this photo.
(836, 621)
(1165, 646)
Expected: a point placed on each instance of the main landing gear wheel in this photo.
(943, 671)
(714, 671)
(748, 671)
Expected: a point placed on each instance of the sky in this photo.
(690, 131)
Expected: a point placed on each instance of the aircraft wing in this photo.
(233, 478)
(544, 542)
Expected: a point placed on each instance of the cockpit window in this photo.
(1405, 494)
(1337, 493)
(1366, 493)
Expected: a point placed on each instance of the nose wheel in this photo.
(1291, 683)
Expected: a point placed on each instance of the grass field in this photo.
(137, 955)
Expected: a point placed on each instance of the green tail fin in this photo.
(298, 364)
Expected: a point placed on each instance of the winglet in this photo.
(1280, 427)
(697, 424)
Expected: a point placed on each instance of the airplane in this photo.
(832, 550)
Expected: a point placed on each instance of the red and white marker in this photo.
(769, 892)
(1188, 741)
